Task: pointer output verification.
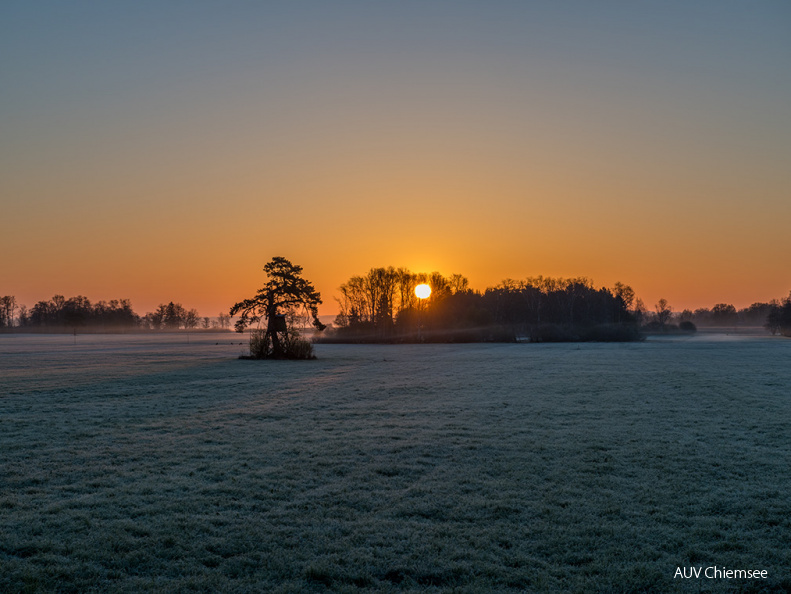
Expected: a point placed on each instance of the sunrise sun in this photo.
(422, 291)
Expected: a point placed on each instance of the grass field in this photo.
(165, 464)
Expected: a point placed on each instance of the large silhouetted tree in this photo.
(285, 292)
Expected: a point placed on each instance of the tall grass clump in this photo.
(293, 346)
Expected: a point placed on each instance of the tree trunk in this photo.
(271, 332)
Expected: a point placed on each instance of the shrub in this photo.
(293, 346)
(296, 347)
(654, 327)
(260, 345)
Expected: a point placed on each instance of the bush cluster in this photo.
(293, 346)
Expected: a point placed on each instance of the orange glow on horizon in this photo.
(499, 143)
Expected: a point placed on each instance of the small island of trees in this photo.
(382, 307)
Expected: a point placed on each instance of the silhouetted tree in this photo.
(724, 314)
(191, 319)
(7, 310)
(354, 304)
(173, 316)
(625, 293)
(407, 281)
(640, 310)
(381, 285)
(76, 311)
(663, 312)
(118, 312)
(155, 319)
(756, 314)
(285, 291)
(779, 318)
(43, 313)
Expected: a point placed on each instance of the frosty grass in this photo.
(164, 463)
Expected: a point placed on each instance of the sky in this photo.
(165, 151)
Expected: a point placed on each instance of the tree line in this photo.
(382, 306)
(774, 316)
(79, 312)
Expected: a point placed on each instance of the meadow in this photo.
(162, 463)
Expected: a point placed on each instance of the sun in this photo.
(422, 291)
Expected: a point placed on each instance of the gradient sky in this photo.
(167, 150)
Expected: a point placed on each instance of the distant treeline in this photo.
(382, 307)
(775, 316)
(79, 313)
(770, 315)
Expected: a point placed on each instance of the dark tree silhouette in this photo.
(663, 312)
(8, 309)
(285, 292)
(756, 314)
(174, 315)
(779, 318)
(224, 320)
(78, 311)
(723, 314)
(626, 294)
(540, 308)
